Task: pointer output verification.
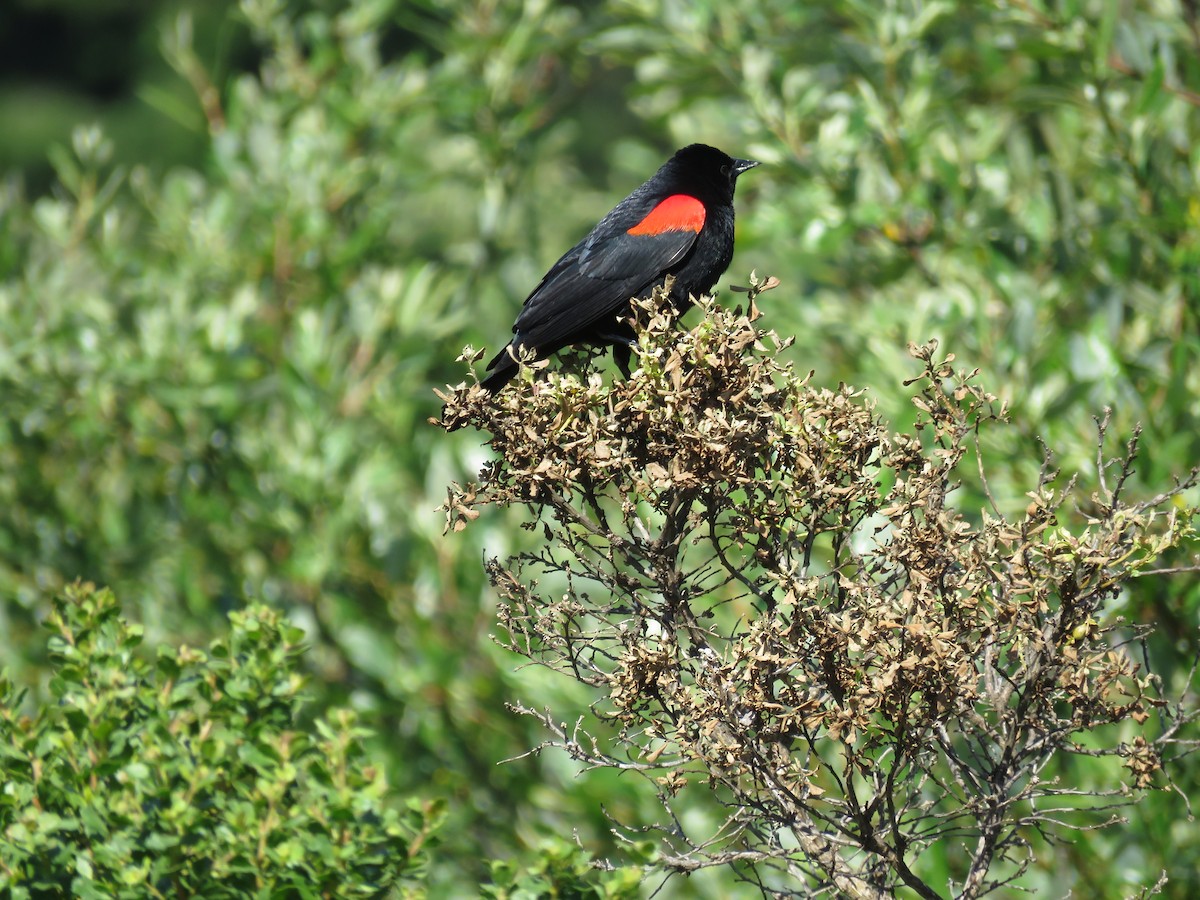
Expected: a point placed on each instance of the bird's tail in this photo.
(502, 369)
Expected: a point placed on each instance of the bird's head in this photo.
(702, 165)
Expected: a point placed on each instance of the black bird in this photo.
(679, 223)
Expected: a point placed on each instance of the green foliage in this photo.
(216, 378)
(216, 381)
(563, 869)
(190, 774)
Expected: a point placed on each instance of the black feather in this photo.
(585, 296)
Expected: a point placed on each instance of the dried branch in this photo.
(778, 603)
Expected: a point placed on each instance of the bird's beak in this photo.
(741, 165)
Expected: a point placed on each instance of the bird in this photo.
(678, 223)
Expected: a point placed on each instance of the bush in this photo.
(216, 380)
(777, 598)
(192, 774)
(215, 377)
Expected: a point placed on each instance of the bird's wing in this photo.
(596, 278)
(657, 241)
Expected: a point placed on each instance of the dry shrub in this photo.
(777, 602)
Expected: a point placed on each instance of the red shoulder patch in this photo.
(679, 212)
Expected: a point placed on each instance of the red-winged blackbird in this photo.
(679, 223)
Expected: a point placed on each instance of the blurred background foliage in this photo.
(240, 244)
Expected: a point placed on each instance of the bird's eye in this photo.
(725, 171)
